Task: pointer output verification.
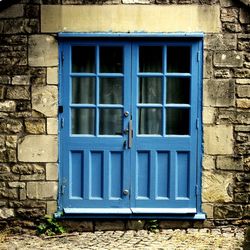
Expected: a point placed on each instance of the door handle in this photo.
(130, 134)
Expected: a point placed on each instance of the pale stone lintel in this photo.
(130, 18)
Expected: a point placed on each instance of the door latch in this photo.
(125, 192)
(130, 134)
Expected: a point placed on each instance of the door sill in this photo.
(97, 211)
(163, 210)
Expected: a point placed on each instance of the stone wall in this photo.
(28, 113)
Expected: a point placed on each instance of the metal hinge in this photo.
(198, 56)
(62, 122)
(197, 123)
(62, 57)
(62, 189)
(196, 189)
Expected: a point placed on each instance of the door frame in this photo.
(177, 37)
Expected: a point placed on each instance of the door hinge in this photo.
(62, 189)
(198, 56)
(197, 123)
(62, 122)
(196, 190)
(62, 57)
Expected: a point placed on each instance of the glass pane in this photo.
(150, 121)
(177, 121)
(178, 90)
(110, 122)
(150, 90)
(111, 90)
(83, 90)
(83, 59)
(150, 59)
(83, 121)
(111, 59)
(178, 59)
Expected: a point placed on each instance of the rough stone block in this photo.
(220, 42)
(137, 1)
(244, 16)
(242, 128)
(242, 73)
(229, 15)
(52, 75)
(217, 186)
(35, 126)
(32, 177)
(10, 126)
(226, 3)
(18, 92)
(42, 190)
(244, 45)
(51, 171)
(28, 169)
(218, 139)
(135, 225)
(241, 197)
(51, 207)
(222, 73)
(52, 126)
(228, 59)
(229, 163)
(44, 100)
(208, 209)
(232, 27)
(6, 213)
(30, 213)
(29, 150)
(243, 103)
(219, 93)
(243, 81)
(2, 92)
(109, 225)
(8, 106)
(208, 115)
(174, 224)
(21, 80)
(243, 91)
(15, 10)
(42, 51)
(228, 212)
(79, 226)
(16, 184)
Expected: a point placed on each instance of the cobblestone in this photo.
(190, 239)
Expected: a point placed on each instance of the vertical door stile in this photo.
(152, 173)
(106, 175)
(86, 172)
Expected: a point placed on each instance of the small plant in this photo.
(49, 227)
(152, 225)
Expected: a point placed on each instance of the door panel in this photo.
(108, 166)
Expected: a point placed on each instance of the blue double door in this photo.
(129, 136)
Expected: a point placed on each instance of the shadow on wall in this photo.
(246, 245)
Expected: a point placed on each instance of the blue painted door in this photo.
(129, 138)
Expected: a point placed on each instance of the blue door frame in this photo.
(160, 173)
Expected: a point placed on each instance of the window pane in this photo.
(177, 121)
(150, 90)
(110, 122)
(178, 90)
(178, 59)
(111, 59)
(83, 59)
(83, 90)
(83, 121)
(111, 90)
(150, 59)
(150, 121)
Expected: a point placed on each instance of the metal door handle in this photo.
(130, 134)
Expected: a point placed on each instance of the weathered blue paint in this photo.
(162, 173)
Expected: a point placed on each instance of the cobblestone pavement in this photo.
(223, 238)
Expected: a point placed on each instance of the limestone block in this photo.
(109, 225)
(38, 148)
(242, 128)
(208, 209)
(35, 126)
(51, 171)
(218, 139)
(208, 115)
(243, 91)
(42, 190)
(136, 1)
(243, 81)
(226, 3)
(220, 42)
(52, 75)
(15, 10)
(44, 100)
(216, 186)
(208, 162)
(219, 93)
(21, 80)
(208, 65)
(52, 126)
(243, 103)
(32, 177)
(228, 163)
(6, 213)
(28, 169)
(18, 92)
(51, 207)
(222, 73)
(42, 51)
(228, 211)
(229, 15)
(16, 184)
(8, 106)
(244, 16)
(228, 59)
